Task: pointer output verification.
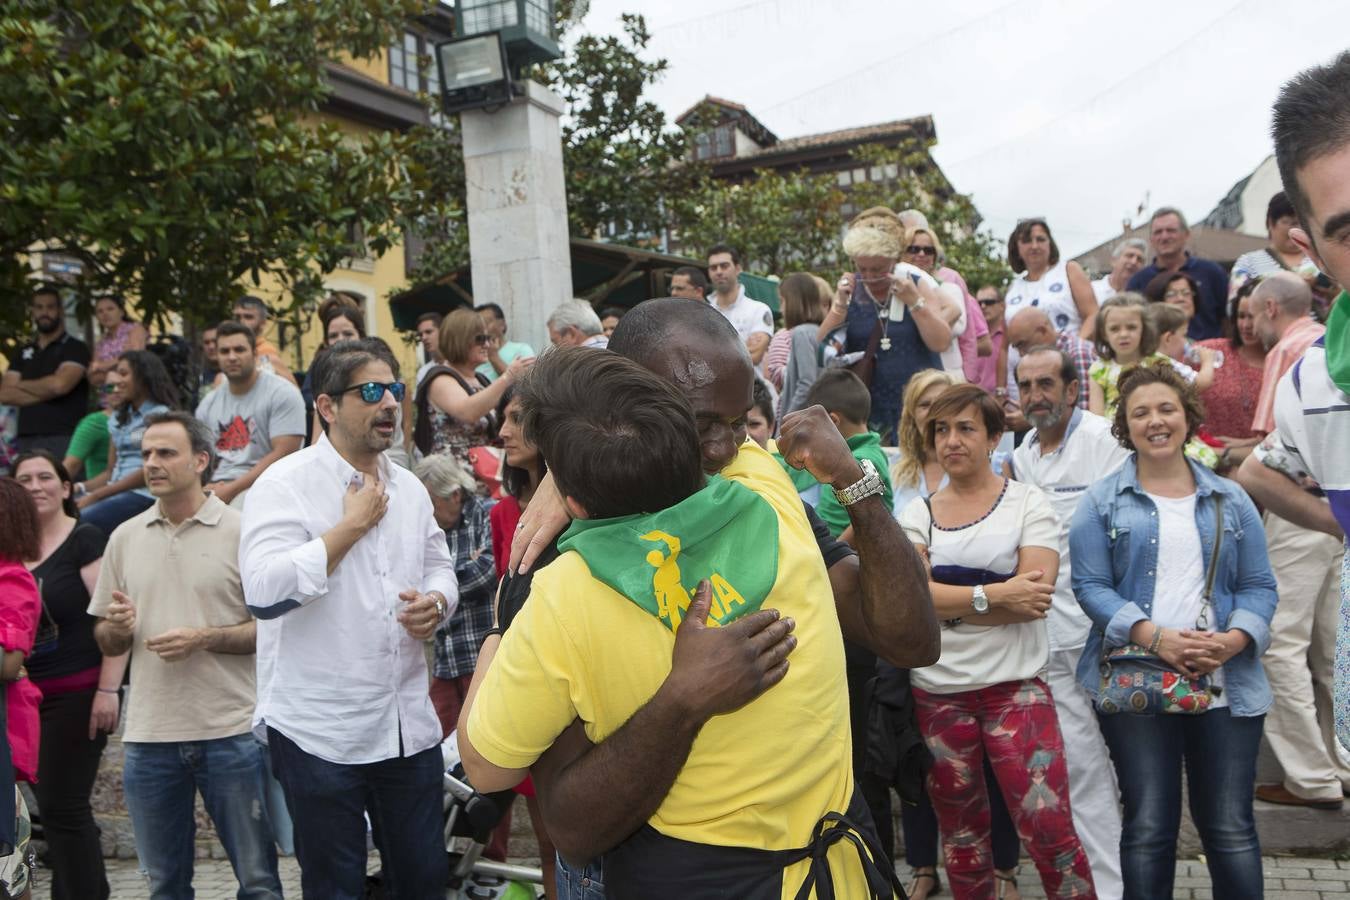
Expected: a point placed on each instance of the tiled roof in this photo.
(846, 136)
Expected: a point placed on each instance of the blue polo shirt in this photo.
(1211, 308)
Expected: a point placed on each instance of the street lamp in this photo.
(494, 41)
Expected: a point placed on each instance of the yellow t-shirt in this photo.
(759, 777)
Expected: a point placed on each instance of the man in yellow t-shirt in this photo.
(595, 642)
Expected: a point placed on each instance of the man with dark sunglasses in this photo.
(257, 417)
(348, 574)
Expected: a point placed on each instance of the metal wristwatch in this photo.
(867, 486)
(979, 599)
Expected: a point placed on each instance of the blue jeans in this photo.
(1219, 752)
(327, 802)
(581, 884)
(160, 781)
(107, 514)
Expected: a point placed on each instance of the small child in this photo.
(1172, 322)
(1126, 334)
(759, 421)
(849, 403)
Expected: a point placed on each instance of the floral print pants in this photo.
(1014, 723)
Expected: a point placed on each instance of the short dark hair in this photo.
(1156, 289)
(201, 438)
(493, 308)
(331, 371)
(1020, 233)
(1159, 372)
(615, 311)
(1068, 369)
(695, 275)
(1311, 119)
(19, 529)
(958, 397)
(230, 326)
(842, 393)
(248, 301)
(1279, 207)
(763, 401)
(45, 289)
(644, 333)
(68, 505)
(433, 317)
(724, 248)
(989, 285)
(618, 439)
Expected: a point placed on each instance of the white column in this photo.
(517, 207)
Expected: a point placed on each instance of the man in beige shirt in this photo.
(169, 591)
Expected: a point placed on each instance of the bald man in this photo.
(1032, 328)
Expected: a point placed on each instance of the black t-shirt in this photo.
(515, 589)
(65, 602)
(61, 415)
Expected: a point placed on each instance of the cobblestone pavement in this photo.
(1287, 878)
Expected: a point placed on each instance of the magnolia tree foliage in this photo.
(175, 147)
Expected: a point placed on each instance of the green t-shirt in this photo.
(89, 444)
(864, 446)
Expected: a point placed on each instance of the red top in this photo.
(1230, 401)
(20, 610)
(505, 515)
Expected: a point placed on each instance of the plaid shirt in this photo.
(1083, 355)
(471, 548)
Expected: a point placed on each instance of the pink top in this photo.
(20, 609)
(114, 344)
(976, 326)
(776, 357)
(1296, 339)
(984, 369)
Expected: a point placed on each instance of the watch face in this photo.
(980, 601)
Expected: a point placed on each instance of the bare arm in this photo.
(282, 445)
(757, 344)
(180, 643)
(128, 482)
(881, 595)
(594, 796)
(984, 346)
(934, 331)
(31, 391)
(1083, 298)
(110, 639)
(1285, 499)
(447, 395)
(1096, 399)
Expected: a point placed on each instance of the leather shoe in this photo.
(1278, 793)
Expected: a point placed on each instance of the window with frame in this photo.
(412, 65)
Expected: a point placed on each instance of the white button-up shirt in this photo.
(337, 673)
(1086, 455)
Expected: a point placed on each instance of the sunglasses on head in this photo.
(915, 250)
(373, 391)
(482, 340)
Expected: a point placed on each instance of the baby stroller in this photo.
(469, 820)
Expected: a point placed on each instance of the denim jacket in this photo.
(1113, 544)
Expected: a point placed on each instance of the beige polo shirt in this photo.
(183, 577)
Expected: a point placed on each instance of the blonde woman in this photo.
(894, 320)
(923, 250)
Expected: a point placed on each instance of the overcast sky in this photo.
(1076, 110)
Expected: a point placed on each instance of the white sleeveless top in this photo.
(1050, 294)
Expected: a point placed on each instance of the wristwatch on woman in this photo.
(979, 599)
(867, 486)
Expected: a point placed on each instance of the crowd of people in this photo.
(710, 587)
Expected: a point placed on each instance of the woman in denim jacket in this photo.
(1141, 542)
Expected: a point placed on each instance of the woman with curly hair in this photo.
(1169, 562)
(140, 386)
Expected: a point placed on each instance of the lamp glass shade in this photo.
(478, 16)
(472, 61)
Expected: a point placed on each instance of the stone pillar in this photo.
(517, 207)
